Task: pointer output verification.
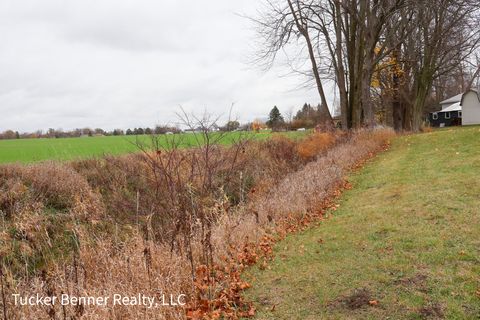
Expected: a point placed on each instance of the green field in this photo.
(404, 243)
(32, 150)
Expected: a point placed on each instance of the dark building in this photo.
(445, 118)
(450, 115)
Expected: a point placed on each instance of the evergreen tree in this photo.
(307, 117)
(275, 119)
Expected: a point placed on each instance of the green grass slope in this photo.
(404, 243)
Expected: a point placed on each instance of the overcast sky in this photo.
(131, 63)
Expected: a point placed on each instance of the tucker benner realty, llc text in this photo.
(102, 301)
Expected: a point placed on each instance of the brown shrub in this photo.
(315, 144)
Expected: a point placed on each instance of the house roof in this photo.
(452, 107)
(473, 90)
(453, 99)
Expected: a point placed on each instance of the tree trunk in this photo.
(318, 81)
(346, 116)
(367, 105)
(303, 29)
(418, 107)
(356, 56)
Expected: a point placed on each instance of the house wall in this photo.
(471, 108)
(455, 119)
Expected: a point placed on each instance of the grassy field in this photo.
(32, 150)
(404, 243)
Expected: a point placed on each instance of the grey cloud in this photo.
(68, 63)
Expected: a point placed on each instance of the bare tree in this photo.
(278, 26)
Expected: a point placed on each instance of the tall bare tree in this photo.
(283, 23)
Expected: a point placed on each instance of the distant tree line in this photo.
(307, 116)
(231, 125)
(54, 133)
(86, 132)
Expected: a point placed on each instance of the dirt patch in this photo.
(431, 311)
(418, 279)
(417, 282)
(357, 299)
(264, 301)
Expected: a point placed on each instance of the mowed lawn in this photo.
(32, 150)
(404, 243)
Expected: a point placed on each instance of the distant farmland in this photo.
(33, 150)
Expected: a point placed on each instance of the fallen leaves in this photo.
(219, 288)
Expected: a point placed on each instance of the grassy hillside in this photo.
(403, 244)
(32, 150)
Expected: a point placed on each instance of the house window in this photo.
(447, 115)
(459, 114)
(435, 116)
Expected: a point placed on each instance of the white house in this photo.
(470, 107)
(450, 115)
(464, 109)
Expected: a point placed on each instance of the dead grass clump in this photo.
(315, 144)
(124, 184)
(280, 149)
(54, 184)
(13, 194)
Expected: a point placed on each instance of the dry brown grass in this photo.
(315, 144)
(144, 223)
(426, 129)
(303, 191)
